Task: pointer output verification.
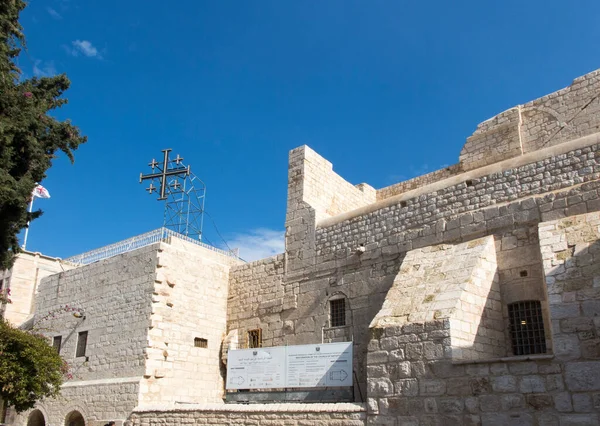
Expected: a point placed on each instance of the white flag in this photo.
(40, 192)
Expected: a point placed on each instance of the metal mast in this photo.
(183, 192)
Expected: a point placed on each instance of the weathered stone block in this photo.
(583, 376)
(504, 384)
(532, 384)
(432, 387)
(489, 403)
(406, 387)
(451, 405)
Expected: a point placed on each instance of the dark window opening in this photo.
(527, 328)
(523, 273)
(255, 338)
(337, 312)
(81, 344)
(200, 342)
(56, 342)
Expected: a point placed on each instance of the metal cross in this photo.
(162, 175)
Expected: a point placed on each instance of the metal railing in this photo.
(139, 241)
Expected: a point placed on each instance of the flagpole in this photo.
(27, 229)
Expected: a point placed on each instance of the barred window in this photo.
(255, 338)
(199, 342)
(527, 328)
(337, 312)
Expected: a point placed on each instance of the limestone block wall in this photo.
(187, 325)
(315, 192)
(115, 296)
(454, 282)
(293, 308)
(416, 382)
(472, 204)
(23, 280)
(98, 402)
(253, 415)
(496, 139)
(419, 181)
(507, 200)
(313, 181)
(559, 117)
(571, 257)
(413, 379)
(258, 299)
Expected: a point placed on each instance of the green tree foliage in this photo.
(30, 369)
(29, 136)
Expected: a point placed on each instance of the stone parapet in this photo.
(343, 414)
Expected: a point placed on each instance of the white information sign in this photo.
(311, 366)
(302, 366)
(259, 368)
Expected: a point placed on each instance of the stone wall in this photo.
(23, 280)
(315, 192)
(290, 300)
(414, 379)
(559, 117)
(571, 257)
(115, 297)
(419, 181)
(455, 282)
(98, 402)
(187, 325)
(254, 415)
(472, 203)
(313, 181)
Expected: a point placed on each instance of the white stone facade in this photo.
(433, 273)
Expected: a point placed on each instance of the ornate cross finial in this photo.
(182, 192)
(164, 171)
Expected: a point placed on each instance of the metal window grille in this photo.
(81, 344)
(200, 342)
(56, 343)
(527, 328)
(255, 338)
(337, 312)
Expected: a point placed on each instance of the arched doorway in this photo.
(36, 418)
(74, 418)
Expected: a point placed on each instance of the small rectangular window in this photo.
(337, 312)
(200, 342)
(56, 342)
(255, 338)
(81, 343)
(527, 328)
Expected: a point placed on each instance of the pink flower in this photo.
(28, 94)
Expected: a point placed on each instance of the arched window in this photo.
(527, 328)
(74, 418)
(36, 418)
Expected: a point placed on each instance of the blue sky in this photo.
(385, 90)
